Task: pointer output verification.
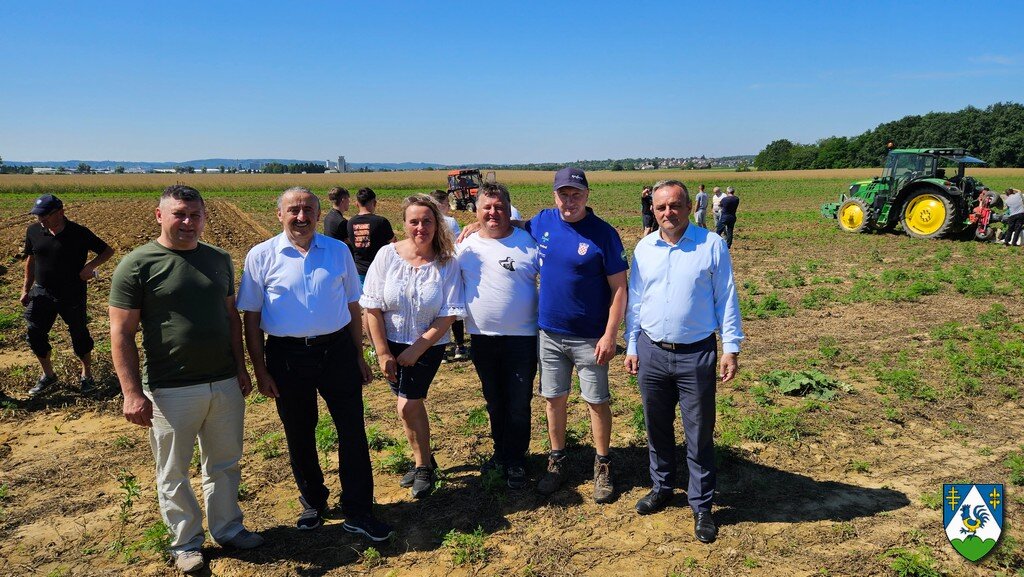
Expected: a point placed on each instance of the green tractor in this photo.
(915, 192)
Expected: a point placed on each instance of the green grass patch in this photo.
(466, 548)
(770, 306)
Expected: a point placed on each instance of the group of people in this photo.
(545, 295)
(723, 206)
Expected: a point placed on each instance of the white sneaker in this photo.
(189, 561)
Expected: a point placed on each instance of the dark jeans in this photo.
(1013, 228)
(507, 366)
(41, 313)
(685, 378)
(724, 226)
(331, 369)
(459, 331)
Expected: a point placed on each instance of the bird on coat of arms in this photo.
(972, 524)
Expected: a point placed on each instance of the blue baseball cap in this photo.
(46, 204)
(573, 177)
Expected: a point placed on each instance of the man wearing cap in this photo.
(56, 271)
(681, 291)
(302, 289)
(726, 220)
(582, 301)
(193, 380)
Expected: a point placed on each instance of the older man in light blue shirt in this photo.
(302, 289)
(681, 291)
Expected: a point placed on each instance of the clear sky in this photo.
(466, 82)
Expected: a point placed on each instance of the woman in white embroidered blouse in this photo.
(412, 294)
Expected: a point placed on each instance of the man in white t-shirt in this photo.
(499, 273)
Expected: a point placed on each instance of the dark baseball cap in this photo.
(573, 177)
(46, 204)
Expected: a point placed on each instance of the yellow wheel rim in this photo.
(925, 214)
(851, 216)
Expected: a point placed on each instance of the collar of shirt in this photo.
(688, 235)
(282, 243)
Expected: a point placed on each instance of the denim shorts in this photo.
(558, 355)
(413, 382)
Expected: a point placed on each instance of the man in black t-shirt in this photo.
(335, 224)
(56, 271)
(727, 219)
(367, 232)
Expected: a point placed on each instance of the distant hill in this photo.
(241, 163)
(994, 134)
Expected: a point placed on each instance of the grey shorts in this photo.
(558, 354)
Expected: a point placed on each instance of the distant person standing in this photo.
(56, 271)
(716, 201)
(367, 232)
(645, 210)
(335, 224)
(727, 221)
(459, 326)
(1014, 216)
(700, 210)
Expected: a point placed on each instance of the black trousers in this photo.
(724, 226)
(331, 370)
(1013, 228)
(507, 366)
(42, 312)
(684, 378)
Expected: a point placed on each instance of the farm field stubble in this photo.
(928, 336)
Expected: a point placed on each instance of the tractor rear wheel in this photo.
(852, 216)
(928, 214)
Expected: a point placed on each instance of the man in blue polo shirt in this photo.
(582, 301)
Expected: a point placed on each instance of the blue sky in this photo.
(464, 82)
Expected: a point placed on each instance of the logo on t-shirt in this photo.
(508, 263)
(583, 248)
(361, 235)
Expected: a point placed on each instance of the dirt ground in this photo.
(837, 500)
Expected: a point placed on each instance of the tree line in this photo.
(994, 134)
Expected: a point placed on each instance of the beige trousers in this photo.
(213, 413)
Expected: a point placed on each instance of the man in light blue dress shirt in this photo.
(681, 291)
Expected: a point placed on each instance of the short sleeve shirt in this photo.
(181, 298)
(299, 295)
(367, 234)
(58, 260)
(576, 260)
(499, 279)
(410, 298)
(335, 225)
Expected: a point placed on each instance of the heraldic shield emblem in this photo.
(973, 518)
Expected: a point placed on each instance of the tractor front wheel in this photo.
(852, 216)
(928, 214)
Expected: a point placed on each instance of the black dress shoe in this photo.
(704, 528)
(653, 502)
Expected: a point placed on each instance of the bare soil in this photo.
(832, 502)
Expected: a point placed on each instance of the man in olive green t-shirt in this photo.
(194, 378)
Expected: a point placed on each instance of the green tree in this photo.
(83, 168)
(775, 156)
(119, 170)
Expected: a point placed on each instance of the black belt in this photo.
(683, 347)
(317, 341)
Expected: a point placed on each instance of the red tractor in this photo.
(463, 184)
